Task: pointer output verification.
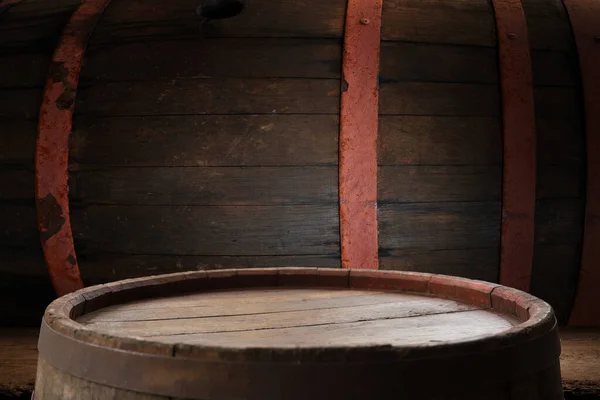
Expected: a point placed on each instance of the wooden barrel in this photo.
(299, 333)
(201, 144)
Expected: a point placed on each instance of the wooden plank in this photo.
(206, 186)
(141, 19)
(267, 297)
(465, 22)
(300, 311)
(560, 181)
(560, 141)
(246, 57)
(559, 221)
(358, 135)
(260, 317)
(424, 140)
(554, 68)
(584, 16)
(16, 184)
(439, 99)
(207, 140)
(555, 274)
(102, 267)
(519, 145)
(17, 142)
(557, 102)
(479, 264)
(20, 103)
(240, 230)
(23, 70)
(548, 25)
(34, 25)
(205, 96)
(443, 226)
(396, 332)
(19, 226)
(437, 184)
(401, 61)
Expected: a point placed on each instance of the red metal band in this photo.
(518, 120)
(358, 135)
(585, 21)
(52, 150)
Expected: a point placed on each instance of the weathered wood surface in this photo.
(206, 96)
(145, 20)
(251, 140)
(389, 319)
(198, 230)
(206, 186)
(210, 58)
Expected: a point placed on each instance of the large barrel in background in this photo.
(214, 144)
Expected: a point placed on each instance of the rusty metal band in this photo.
(52, 147)
(518, 130)
(585, 22)
(358, 135)
(204, 378)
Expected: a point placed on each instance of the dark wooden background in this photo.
(216, 145)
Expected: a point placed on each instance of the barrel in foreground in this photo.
(304, 333)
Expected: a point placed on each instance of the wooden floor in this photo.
(580, 363)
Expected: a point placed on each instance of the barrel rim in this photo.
(536, 316)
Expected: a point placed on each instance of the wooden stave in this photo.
(538, 331)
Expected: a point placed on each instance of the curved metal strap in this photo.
(518, 120)
(585, 21)
(52, 149)
(358, 135)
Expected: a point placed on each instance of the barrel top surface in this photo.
(237, 311)
(233, 333)
(307, 317)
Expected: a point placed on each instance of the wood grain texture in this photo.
(439, 99)
(427, 140)
(206, 186)
(73, 388)
(465, 22)
(421, 62)
(203, 96)
(17, 141)
(259, 320)
(139, 20)
(23, 70)
(481, 264)
(559, 221)
(296, 58)
(251, 140)
(34, 25)
(548, 25)
(439, 225)
(19, 227)
(19, 357)
(20, 103)
(102, 267)
(241, 230)
(415, 184)
(269, 307)
(396, 331)
(555, 275)
(16, 184)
